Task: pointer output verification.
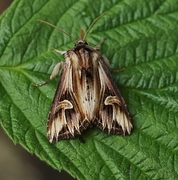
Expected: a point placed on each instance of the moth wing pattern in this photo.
(66, 117)
(113, 117)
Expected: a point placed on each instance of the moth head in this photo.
(81, 40)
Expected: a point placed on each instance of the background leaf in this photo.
(141, 38)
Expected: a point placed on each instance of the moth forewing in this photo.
(114, 116)
(86, 95)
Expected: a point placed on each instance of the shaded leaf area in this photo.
(141, 39)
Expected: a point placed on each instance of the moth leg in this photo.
(99, 44)
(108, 65)
(53, 74)
(60, 52)
(118, 70)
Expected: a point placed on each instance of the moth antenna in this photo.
(58, 29)
(92, 25)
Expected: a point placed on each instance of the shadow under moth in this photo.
(86, 94)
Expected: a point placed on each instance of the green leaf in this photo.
(141, 37)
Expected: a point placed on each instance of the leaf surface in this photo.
(141, 38)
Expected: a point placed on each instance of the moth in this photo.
(86, 94)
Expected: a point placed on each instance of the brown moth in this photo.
(86, 94)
